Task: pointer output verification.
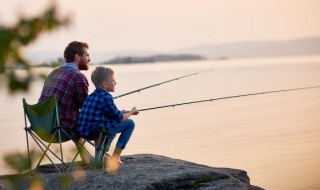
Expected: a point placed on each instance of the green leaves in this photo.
(20, 161)
(14, 38)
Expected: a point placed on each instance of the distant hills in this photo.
(253, 49)
(306, 46)
(245, 49)
(154, 58)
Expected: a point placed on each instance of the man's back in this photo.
(71, 88)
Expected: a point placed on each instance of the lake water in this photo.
(274, 137)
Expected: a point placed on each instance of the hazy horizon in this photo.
(237, 50)
(164, 26)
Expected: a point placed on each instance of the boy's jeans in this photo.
(125, 128)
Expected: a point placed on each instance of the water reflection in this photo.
(274, 137)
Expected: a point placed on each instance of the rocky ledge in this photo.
(146, 171)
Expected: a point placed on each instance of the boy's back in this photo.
(98, 110)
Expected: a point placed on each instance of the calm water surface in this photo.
(274, 137)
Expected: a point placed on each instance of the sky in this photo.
(163, 26)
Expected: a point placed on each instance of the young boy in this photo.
(100, 110)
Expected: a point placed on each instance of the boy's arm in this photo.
(133, 111)
(110, 109)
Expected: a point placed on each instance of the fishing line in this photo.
(227, 97)
(158, 84)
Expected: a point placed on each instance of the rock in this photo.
(146, 171)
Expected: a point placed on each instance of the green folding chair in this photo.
(45, 129)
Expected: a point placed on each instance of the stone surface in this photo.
(146, 171)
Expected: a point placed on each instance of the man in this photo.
(70, 86)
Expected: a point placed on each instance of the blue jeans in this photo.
(125, 128)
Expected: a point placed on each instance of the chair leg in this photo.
(80, 147)
(105, 147)
(98, 146)
(100, 150)
(27, 138)
(61, 152)
(45, 154)
(74, 158)
(39, 140)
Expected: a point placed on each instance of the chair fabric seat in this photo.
(43, 120)
(96, 132)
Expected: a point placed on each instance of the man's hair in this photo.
(74, 48)
(100, 74)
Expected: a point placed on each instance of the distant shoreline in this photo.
(235, 50)
(153, 59)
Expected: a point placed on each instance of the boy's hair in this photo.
(100, 74)
(74, 48)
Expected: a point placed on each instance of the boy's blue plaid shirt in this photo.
(98, 110)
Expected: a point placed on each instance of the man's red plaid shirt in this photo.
(71, 88)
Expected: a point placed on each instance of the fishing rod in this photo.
(158, 84)
(227, 97)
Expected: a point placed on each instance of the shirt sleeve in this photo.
(111, 109)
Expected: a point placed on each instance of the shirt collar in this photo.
(100, 89)
(71, 64)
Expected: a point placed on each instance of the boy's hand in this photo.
(134, 111)
(124, 111)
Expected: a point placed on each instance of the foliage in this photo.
(18, 182)
(14, 38)
(19, 161)
(65, 180)
(53, 64)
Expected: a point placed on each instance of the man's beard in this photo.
(83, 66)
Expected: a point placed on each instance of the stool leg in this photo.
(99, 151)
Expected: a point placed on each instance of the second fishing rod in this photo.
(160, 83)
(228, 97)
